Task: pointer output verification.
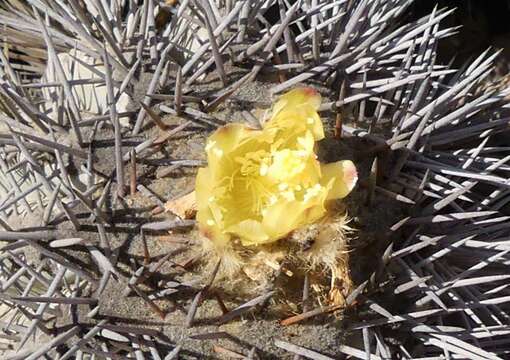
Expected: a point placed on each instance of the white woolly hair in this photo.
(231, 259)
(248, 269)
(331, 243)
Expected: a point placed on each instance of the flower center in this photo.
(254, 167)
(287, 164)
(254, 163)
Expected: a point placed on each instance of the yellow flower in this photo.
(260, 185)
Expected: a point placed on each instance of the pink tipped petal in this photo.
(305, 95)
(299, 97)
(350, 174)
(345, 177)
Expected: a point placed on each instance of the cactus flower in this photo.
(260, 185)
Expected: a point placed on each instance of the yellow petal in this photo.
(315, 124)
(227, 138)
(250, 232)
(203, 187)
(293, 122)
(306, 142)
(209, 229)
(314, 199)
(225, 143)
(344, 175)
(314, 213)
(283, 217)
(298, 97)
(230, 137)
(297, 111)
(296, 165)
(207, 191)
(312, 173)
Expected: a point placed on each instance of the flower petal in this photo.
(223, 142)
(203, 187)
(345, 177)
(228, 137)
(251, 232)
(206, 192)
(210, 229)
(298, 97)
(297, 111)
(283, 217)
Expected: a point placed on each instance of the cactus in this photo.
(104, 106)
